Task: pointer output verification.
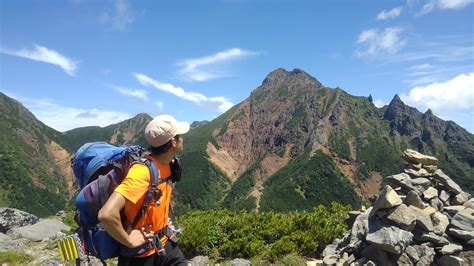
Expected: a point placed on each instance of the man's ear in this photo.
(174, 142)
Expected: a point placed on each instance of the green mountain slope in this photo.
(129, 131)
(307, 182)
(30, 177)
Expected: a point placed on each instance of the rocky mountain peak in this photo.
(428, 113)
(280, 75)
(395, 108)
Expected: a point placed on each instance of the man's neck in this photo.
(164, 158)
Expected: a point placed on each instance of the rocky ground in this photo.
(422, 217)
(25, 233)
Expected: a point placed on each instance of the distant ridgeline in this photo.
(291, 145)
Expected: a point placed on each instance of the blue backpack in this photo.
(99, 168)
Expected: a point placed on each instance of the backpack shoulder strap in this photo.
(152, 189)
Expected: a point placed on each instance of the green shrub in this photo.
(14, 257)
(223, 234)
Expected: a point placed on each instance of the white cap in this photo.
(162, 129)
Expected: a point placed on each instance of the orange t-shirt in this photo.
(134, 187)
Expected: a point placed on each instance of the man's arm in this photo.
(109, 217)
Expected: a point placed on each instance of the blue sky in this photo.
(79, 63)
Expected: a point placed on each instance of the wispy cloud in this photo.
(119, 17)
(443, 5)
(141, 94)
(375, 42)
(43, 54)
(204, 68)
(452, 99)
(393, 13)
(439, 53)
(64, 118)
(221, 103)
(160, 105)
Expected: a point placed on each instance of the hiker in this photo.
(163, 135)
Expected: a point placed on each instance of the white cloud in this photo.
(420, 67)
(64, 118)
(374, 42)
(204, 68)
(395, 12)
(221, 103)
(443, 5)
(450, 100)
(141, 94)
(119, 18)
(160, 105)
(380, 103)
(43, 54)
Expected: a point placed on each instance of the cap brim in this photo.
(183, 128)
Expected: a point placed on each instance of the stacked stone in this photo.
(422, 217)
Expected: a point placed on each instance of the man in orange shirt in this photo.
(163, 136)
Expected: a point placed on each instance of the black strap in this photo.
(145, 205)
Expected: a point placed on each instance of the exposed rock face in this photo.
(10, 218)
(45, 229)
(422, 230)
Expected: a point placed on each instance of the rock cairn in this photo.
(422, 217)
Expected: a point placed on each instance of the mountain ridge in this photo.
(234, 160)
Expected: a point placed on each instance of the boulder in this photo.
(45, 229)
(430, 193)
(352, 217)
(314, 263)
(447, 181)
(376, 255)
(416, 157)
(331, 249)
(401, 180)
(411, 252)
(440, 222)
(403, 259)
(450, 260)
(403, 217)
(11, 218)
(417, 173)
(451, 249)
(4, 237)
(444, 196)
(330, 260)
(469, 203)
(238, 262)
(433, 238)
(462, 234)
(452, 210)
(423, 220)
(429, 210)
(461, 198)
(464, 219)
(422, 182)
(388, 198)
(19, 245)
(430, 168)
(416, 166)
(425, 253)
(360, 227)
(437, 204)
(388, 238)
(414, 199)
(468, 257)
(199, 261)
